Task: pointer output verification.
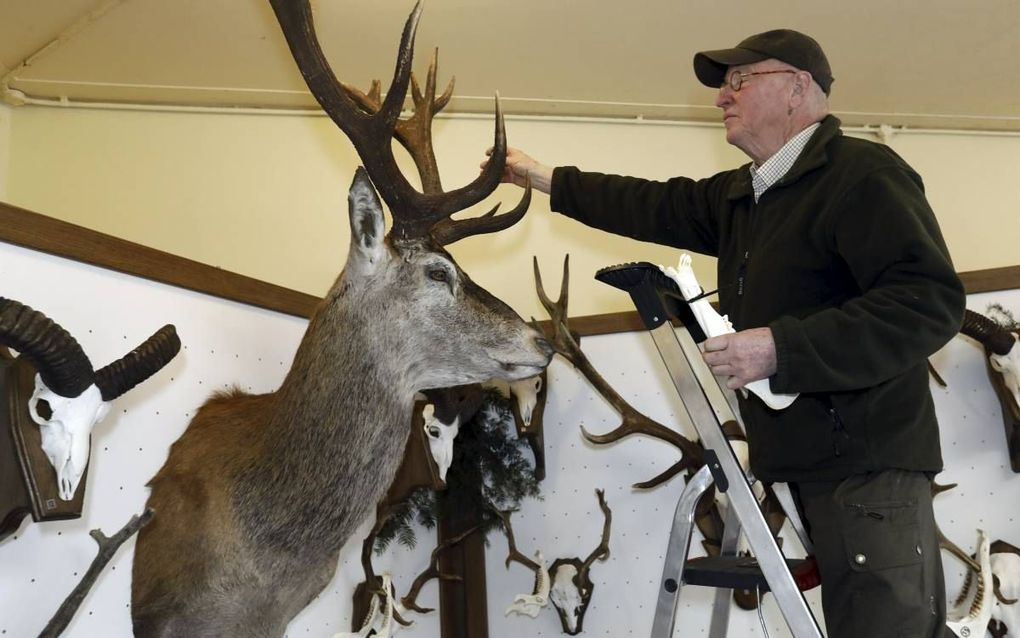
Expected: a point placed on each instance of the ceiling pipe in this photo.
(15, 97)
(884, 132)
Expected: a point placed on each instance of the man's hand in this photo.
(520, 166)
(743, 356)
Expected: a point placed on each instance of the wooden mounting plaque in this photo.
(28, 483)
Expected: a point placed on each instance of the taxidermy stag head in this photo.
(70, 398)
(1000, 344)
(261, 492)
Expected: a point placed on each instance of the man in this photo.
(835, 275)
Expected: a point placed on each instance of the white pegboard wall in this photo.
(223, 344)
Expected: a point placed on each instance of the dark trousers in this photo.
(878, 554)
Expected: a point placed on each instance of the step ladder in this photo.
(658, 300)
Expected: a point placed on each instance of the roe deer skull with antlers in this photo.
(261, 492)
(566, 583)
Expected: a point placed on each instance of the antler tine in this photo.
(370, 133)
(633, 422)
(562, 340)
(602, 551)
(686, 463)
(410, 601)
(435, 207)
(448, 230)
(415, 132)
(512, 553)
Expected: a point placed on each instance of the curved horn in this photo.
(61, 362)
(139, 364)
(990, 334)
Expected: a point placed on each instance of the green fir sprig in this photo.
(489, 467)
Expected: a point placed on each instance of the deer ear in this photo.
(367, 224)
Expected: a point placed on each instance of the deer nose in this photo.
(545, 347)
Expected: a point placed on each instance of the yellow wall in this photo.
(265, 195)
(5, 148)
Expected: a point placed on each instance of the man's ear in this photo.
(800, 80)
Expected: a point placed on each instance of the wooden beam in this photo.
(46, 234)
(991, 279)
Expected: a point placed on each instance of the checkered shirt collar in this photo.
(773, 169)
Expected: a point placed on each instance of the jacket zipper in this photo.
(839, 431)
(742, 273)
(742, 269)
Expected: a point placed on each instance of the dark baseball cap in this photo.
(786, 45)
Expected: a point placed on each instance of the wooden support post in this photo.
(463, 603)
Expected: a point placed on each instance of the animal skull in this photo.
(1006, 568)
(380, 619)
(971, 613)
(66, 433)
(567, 597)
(525, 391)
(1008, 365)
(441, 436)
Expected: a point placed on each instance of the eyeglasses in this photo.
(736, 79)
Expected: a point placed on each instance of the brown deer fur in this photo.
(261, 492)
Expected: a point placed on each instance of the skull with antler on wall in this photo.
(566, 583)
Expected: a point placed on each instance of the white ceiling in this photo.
(919, 63)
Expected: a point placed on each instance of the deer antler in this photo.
(527, 604)
(370, 123)
(410, 601)
(633, 422)
(602, 551)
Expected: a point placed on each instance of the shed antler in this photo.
(370, 123)
(633, 421)
(526, 604)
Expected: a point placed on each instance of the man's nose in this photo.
(724, 97)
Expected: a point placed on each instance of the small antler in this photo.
(513, 555)
(525, 604)
(633, 421)
(602, 551)
(410, 601)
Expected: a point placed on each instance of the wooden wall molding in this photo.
(63, 239)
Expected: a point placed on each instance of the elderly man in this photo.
(833, 271)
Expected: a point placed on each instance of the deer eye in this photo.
(439, 274)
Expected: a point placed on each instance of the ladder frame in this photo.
(658, 299)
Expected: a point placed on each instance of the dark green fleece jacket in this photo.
(844, 261)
